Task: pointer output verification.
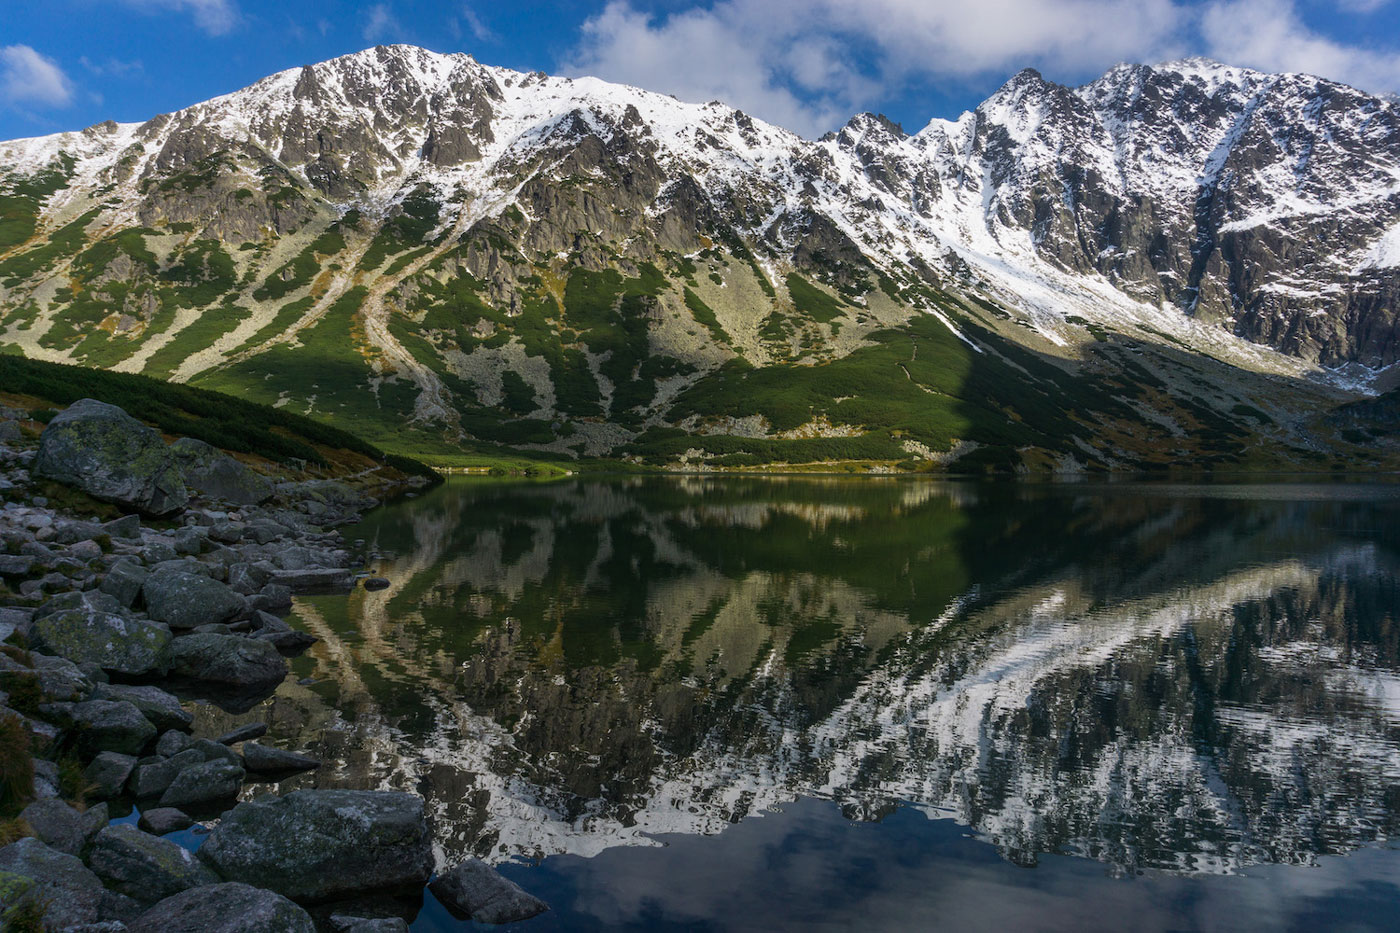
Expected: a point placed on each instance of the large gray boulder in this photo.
(318, 845)
(110, 726)
(107, 774)
(224, 908)
(154, 778)
(215, 474)
(476, 890)
(62, 828)
(124, 581)
(116, 643)
(161, 708)
(206, 783)
(184, 600)
(145, 867)
(266, 760)
(69, 893)
(226, 663)
(111, 456)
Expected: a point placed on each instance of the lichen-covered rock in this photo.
(224, 908)
(476, 890)
(215, 474)
(145, 867)
(69, 893)
(227, 664)
(115, 643)
(317, 845)
(205, 783)
(184, 600)
(161, 708)
(62, 828)
(111, 456)
(110, 726)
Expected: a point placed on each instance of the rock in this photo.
(162, 820)
(62, 828)
(161, 708)
(172, 743)
(116, 643)
(289, 643)
(251, 730)
(107, 774)
(85, 551)
(126, 527)
(190, 542)
(153, 778)
(272, 597)
(145, 867)
(265, 760)
(69, 892)
(342, 924)
(376, 583)
(224, 908)
(202, 784)
(60, 679)
(83, 602)
(15, 565)
(124, 581)
(46, 778)
(227, 663)
(476, 890)
(316, 845)
(319, 578)
(183, 600)
(111, 456)
(217, 475)
(112, 726)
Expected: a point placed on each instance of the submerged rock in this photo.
(111, 456)
(317, 845)
(265, 760)
(249, 730)
(145, 867)
(476, 890)
(224, 908)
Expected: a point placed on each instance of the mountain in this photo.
(1182, 265)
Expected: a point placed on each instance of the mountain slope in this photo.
(1152, 269)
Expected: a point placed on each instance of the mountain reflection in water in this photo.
(1154, 676)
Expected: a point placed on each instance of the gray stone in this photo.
(214, 751)
(249, 730)
(15, 565)
(153, 778)
(376, 583)
(107, 774)
(224, 908)
(116, 643)
(184, 600)
(476, 890)
(190, 542)
(85, 551)
(266, 760)
(111, 726)
(227, 662)
(161, 708)
(111, 456)
(162, 820)
(61, 827)
(145, 867)
(315, 845)
(83, 602)
(126, 527)
(320, 578)
(217, 475)
(46, 778)
(124, 581)
(343, 924)
(70, 893)
(172, 742)
(203, 784)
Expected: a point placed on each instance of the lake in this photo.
(727, 703)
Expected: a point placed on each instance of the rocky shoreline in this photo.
(111, 625)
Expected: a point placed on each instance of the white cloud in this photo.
(215, 17)
(1270, 35)
(112, 67)
(29, 79)
(1361, 6)
(468, 17)
(381, 23)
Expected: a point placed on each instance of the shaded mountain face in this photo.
(1149, 270)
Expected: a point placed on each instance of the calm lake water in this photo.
(723, 703)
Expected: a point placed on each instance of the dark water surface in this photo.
(724, 703)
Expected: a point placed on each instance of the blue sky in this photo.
(804, 64)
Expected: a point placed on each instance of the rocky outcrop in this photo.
(111, 456)
(318, 845)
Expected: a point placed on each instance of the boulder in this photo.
(205, 783)
(265, 760)
(60, 679)
(128, 526)
(110, 726)
(162, 820)
(153, 778)
(317, 845)
(124, 581)
(171, 743)
(69, 893)
(111, 456)
(115, 643)
(145, 867)
(228, 664)
(224, 908)
(90, 601)
(161, 708)
(213, 751)
(182, 599)
(107, 774)
(318, 578)
(62, 828)
(477, 891)
(216, 475)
